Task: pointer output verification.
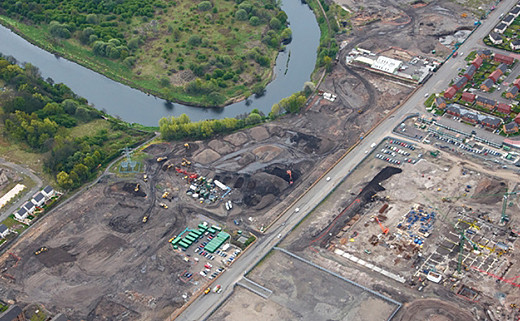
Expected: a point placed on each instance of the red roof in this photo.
(450, 92)
(504, 108)
(477, 62)
(517, 119)
(469, 97)
(503, 58)
(495, 75)
(517, 83)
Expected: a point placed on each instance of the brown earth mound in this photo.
(206, 156)
(267, 153)
(220, 146)
(237, 139)
(489, 191)
(259, 133)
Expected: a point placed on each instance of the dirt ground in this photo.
(302, 292)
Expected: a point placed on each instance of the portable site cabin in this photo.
(176, 240)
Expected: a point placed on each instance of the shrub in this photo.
(204, 6)
(194, 40)
(241, 15)
(254, 21)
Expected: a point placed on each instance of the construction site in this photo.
(107, 252)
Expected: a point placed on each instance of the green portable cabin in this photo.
(201, 231)
(216, 228)
(212, 230)
(183, 245)
(187, 241)
(203, 227)
(198, 232)
(191, 238)
(193, 235)
(176, 240)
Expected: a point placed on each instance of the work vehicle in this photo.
(207, 290)
(161, 159)
(145, 218)
(41, 250)
(163, 205)
(216, 288)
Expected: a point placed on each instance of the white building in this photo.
(387, 64)
(4, 231)
(48, 192)
(21, 214)
(29, 206)
(38, 199)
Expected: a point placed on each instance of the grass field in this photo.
(182, 42)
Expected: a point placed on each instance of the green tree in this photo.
(274, 23)
(254, 21)
(253, 119)
(64, 180)
(204, 6)
(241, 15)
(194, 40)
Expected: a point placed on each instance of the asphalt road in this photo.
(201, 308)
(26, 194)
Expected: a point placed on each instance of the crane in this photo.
(463, 237)
(505, 218)
(384, 229)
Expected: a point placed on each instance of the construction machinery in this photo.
(505, 218)
(165, 194)
(163, 205)
(161, 159)
(145, 218)
(189, 176)
(186, 145)
(463, 238)
(185, 162)
(145, 178)
(383, 228)
(136, 189)
(289, 172)
(41, 250)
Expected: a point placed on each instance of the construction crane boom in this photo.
(383, 228)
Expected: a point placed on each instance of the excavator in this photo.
(185, 162)
(383, 228)
(136, 189)
(189, 176)
(186, 145)
(290, 176)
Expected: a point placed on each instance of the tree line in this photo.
(38, 115)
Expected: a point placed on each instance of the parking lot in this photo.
(397, 152)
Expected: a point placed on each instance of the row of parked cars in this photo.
(406, 145)
(388, 159)
(397, 150)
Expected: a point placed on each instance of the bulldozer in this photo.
(163, 205)
(161, 159)
(165, 195)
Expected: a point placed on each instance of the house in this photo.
(29, 206)
(512, 92)
(485, 102)
(469, 97)
(504, 108)
(38, 199)
(516, 83)
(453, 110)
(495, 75)
(508, 20)
(469, 117)
(460, 82)
(450, 92)
(517, 119)
(440, 102)
(60, 317)
(470, 72)
(484, 54)
(487, 84)
(510, 128)
(48, 192)
(13, 313)
(515, 44)
(477, 62)
(502, 68)
(21, 214)
(515, 11)
(503, 58)
(4, 230)
(500, 28)
(495, 38)
(489, 121)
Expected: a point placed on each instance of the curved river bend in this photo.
(135, 106)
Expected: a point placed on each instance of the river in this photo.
(134, 106)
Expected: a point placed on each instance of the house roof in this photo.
(504, 108)
(513, 90)
(440, 100)
(516, 81)
(515, 43)
(485, 52)
(488, 83)
(489, 120)
(48, 189)
(486, 101)
(507, 59)
(453, 109)
(495, 75)
(502, 67)
(501, 26)
(11, 313)
(471, 70)
(477, 61)
(3, 228)
(467, 96)
(509, 18)
(495, 36)
(38, 197)
(460, 82)
(511, 126)
(28, 205)
(515, 10)
(450, 91)
(22, 211)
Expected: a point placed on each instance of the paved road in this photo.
(26, 194)
(201, 308)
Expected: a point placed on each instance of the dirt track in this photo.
(431, 309)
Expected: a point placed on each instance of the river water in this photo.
(135, 106)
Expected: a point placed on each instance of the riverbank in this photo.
(163, 61)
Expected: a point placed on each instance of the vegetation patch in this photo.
(197, 52)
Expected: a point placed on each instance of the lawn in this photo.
(89, 128)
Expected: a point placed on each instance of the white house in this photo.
(29, 206)
(38, 199)
(495, 38)
(500, 28)
(21, 214)
(48, 192)
(4, 231)
(515, 44)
